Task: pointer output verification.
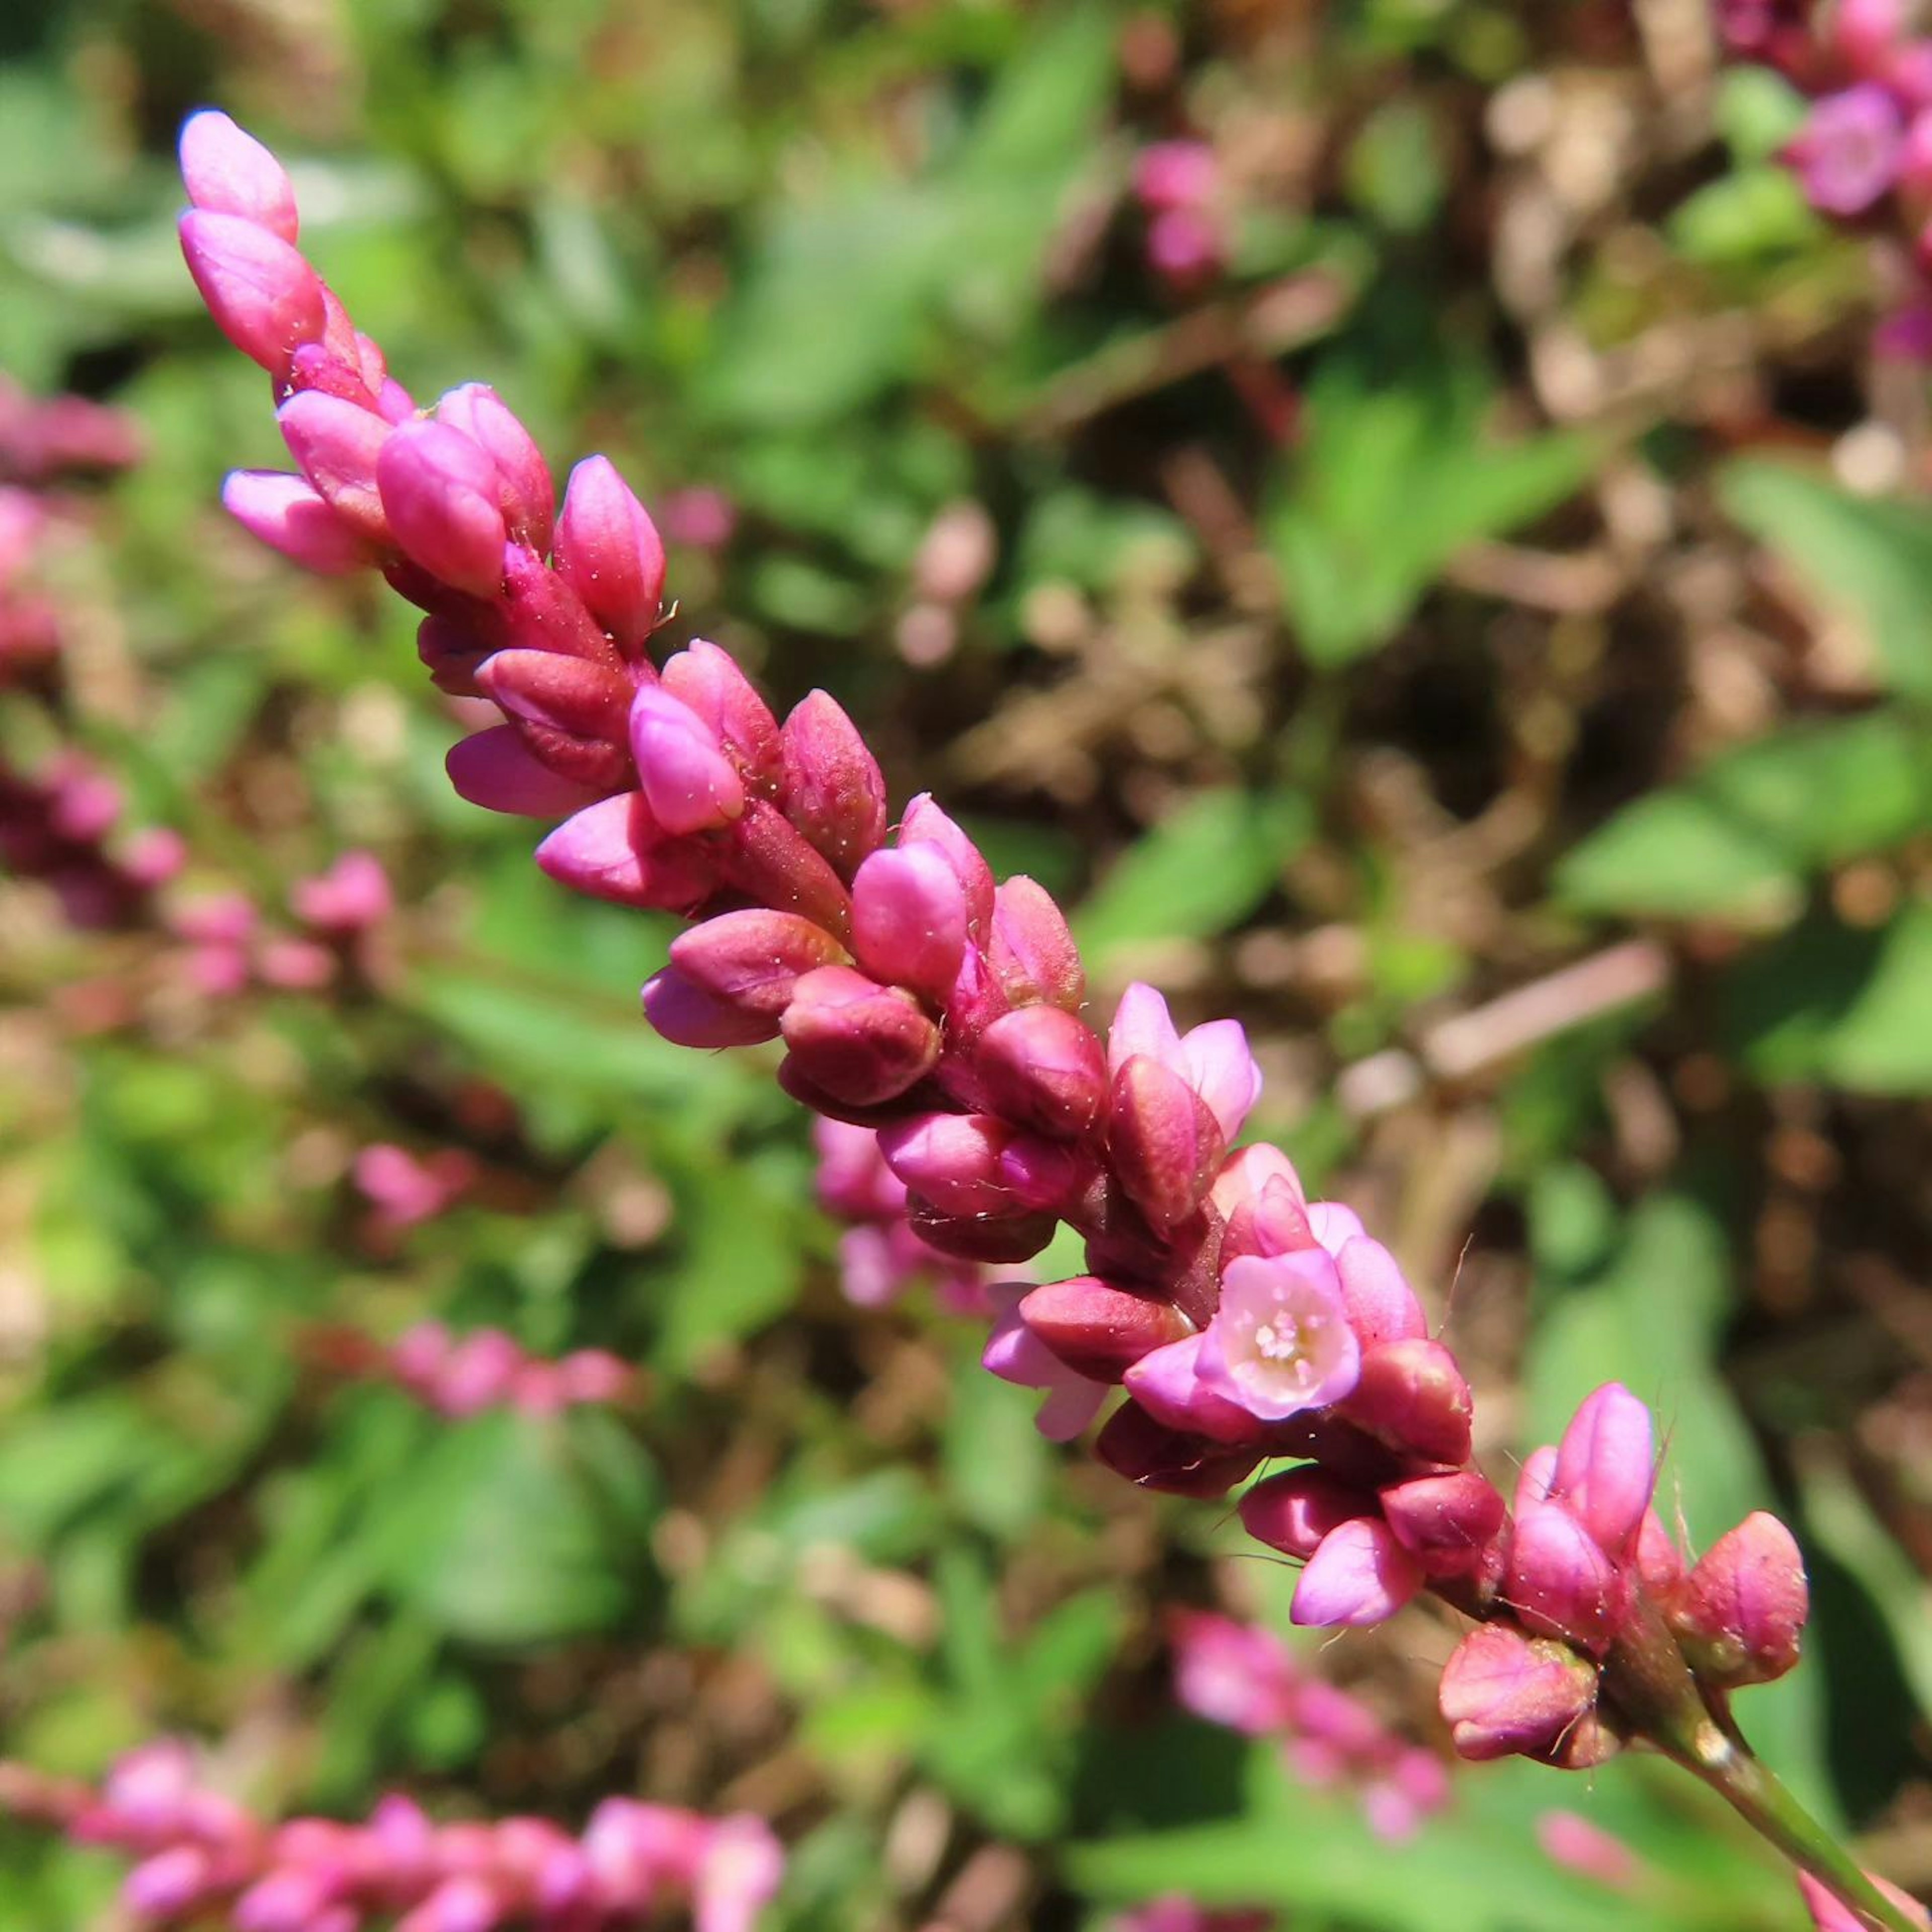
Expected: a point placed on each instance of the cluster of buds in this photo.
(486, 1369)
(1179, 186)
(880, 1256)
(197, 1852)
(63, 826)
(917, 998)
(1176, 1913)
(1246, 1678)
(1864, 155)
(338, 912)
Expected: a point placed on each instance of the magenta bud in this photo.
(227, 172)
(540, 612)
(692, 785)
(263, 296)
(614, 850)
(1560, 1583)
(909, 919)
(1165, 1145)
(1031, 950)
(924, 819)
(525, 492)
(1153, 1457)
(568, 694)
(1446, 1522)
(338, 445)
(1044, 1069)
(170, 1884)
(495, 769)
(834, 793)
(951, 1161)
(1741, 1616)
(317, 367)
(1382, 1305)
(1098, 1329)
(287, 515)
(1297, 1511)
(769, 861)
(862, 1043)
(1359, 1574)
(752, 959)
(441, 494)
(1272, 1221)
(686, 1015)
(286, 1899)
(451, 651)
(1504, 1693)
(1167, 1383)
(707, 679)
(610, 552)
(1606, 1466)
(1041, 1173)
(1412, 1396)
(1001, 1240)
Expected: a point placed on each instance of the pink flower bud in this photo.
(1579, 1846)
(1098, 1329)
(1031, 950)
(1183, 245)
(286, 514)
(707, 679)
(536, 610)
(1000, 1239)
(924, 819)
(525, 492)
(1175, 174)
(863, 1043)
(1279, 1343)
(495, 769)
(1382, 1305)
(614, 850)
(1218, 1065)
(263, 296)
(834, 793)
(1153, 1457)
(169, 1885)
(481, 1373)
(1446, 1522)
(1167, 1383)
(1166, 1144)
(462, 1904)
(230, 172)
(692, 785)
(1504, 1693)
(951, 1161)
(688, 1016)
(1044, 1069)
(752, 959)
(610, 552)
(909, 919)
(1742, 1616)
(286, 1899)
(1295, 1511)
(768, 861)
(568, 694)
(441, 494)
(419, 1355)
(1359, 1574)
(1659, 1566)
(1560, 1582)
(1273, 1222)
(1606, 1466)
(1412, 1395)
(338, 445)
(351, 896)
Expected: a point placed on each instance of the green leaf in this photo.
(1866, 558)
(1739, 837)
(1198, 873)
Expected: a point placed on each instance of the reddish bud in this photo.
(441, 495)
(495, 769)
(263, 296)
(1272, 1222)
(1359, 1574)
(951, 1161)
(1560, 1583)
(1031, 950)
(862, 1043)
(1295, 1511)
(1045, 1069)
(768, 860)
(568, 694)
(1153, 1457)
(227, 172)
(610, 552)
(1503, 1693)
(752, 959)
(1741, 1617)
(538, 611)
(924, 819)
(687, 1015)
(909, 919)
(834, 793)
(1412, 1396)
(285, 514)
(999, 1239)
(1098, 1329)
(1448, 1521)
(337, 444)
(1165, 1145)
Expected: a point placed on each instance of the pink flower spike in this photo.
(228, 172)
(442, 495)
(1606, 1466)
(1579, 1846)
(169, 1885)
(283, 512)
(909, 919)
(595, 1375)
(690, 784)
(1359, 1575)
(495, 769)
(262, 295)
(685, 1014)
(1166, 1382)
(1503, 1693)
(1280, 1342)
(609, 551)
(1828, 1915)
(525, 494)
